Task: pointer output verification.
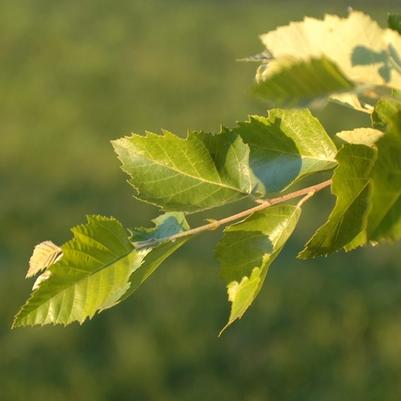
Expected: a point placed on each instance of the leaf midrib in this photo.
(202, 180)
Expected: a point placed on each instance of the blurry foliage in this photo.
(74, 76)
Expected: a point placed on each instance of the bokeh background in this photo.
(73, 76)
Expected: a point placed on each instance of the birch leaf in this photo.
(353, 51)
(92, 275)
(385, 217)
(346, 225)
(247, 250)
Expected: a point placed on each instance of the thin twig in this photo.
(307, 192)
(305, 198)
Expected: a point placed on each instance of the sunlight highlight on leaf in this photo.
(92, 275)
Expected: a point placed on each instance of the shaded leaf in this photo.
(300, 83)
(247, 250)
(385, 217)
(165, 225)
(92, 275)
(286, 146)
(346, 225)
(394, 22)
(205, 171)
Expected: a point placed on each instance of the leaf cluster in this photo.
(263, 159)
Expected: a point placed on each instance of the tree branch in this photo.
(307, 192)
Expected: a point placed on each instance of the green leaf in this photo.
(346, 225)
(166, 225)
(300, 83)
(335, 49)
(385, 113)
(286, 146)
(385, 217)
(192, 174)
(204, 170)
(394, 22)
(91, 276)
(247, 250)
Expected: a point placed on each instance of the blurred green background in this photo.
(73, 76)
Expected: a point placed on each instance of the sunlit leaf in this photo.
(338, 52)
(204, 170)
(352, 101)
(92, 275)
(44, 255)
(298, 83)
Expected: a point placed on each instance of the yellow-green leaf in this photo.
(262, 155)
(339, 52)
(247, 250)
(92, 275)
(196, 173)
